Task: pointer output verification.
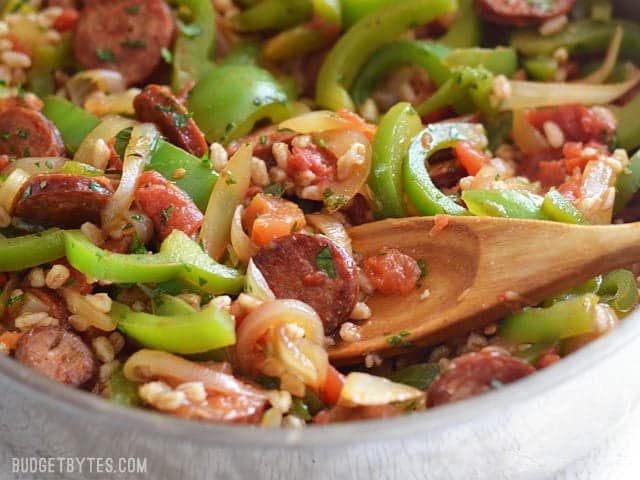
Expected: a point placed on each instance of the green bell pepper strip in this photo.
(562, 320)
(200, 271)
(179, 257)
(356, 46)
(75, 124)
(499, 60)
(619, 289)
(294, 42)
(390, 146)
(355, 10)
(76, 168)
(273, 15)
(420, 376)
(228, 102)
(466, 30)
(504, 203)
(123, 391)
(427, 55)
(28, 251)
(559, 209)
(190, 333)
(628, 130)
(541, 68)
(423, 195)
(580, 36)
(628, 183)
(166, 305)
(195, 43)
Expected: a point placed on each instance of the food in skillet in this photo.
(178, 180)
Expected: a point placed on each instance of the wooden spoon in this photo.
(479, 270)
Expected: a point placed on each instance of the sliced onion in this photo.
(330, 226)
(240, 241)
(82, 84)
(146, 365)
(36, 165)
(256, 285)
(602, 73)
(312, 122)
(110, 126)
(598, 179)
(362, 389)
(541, 94)
(11, 187)
(339, 142)
(121, 103)
(228, 193)
(273, 322)
(526, 136)
(79, 305)
(138, 153)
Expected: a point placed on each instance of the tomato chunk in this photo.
(577, 122)
(392, 272)
(471, 159)
(268, 217)
(168, 207)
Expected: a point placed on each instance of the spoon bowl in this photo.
(480, 269)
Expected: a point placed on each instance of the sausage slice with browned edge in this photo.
(58, 354)
(63, 200)
(25, 132)
(314, 270)
(523, 12)
(124, 35)
(475, 373)
(157, 104)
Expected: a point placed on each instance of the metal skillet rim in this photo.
(97, 410)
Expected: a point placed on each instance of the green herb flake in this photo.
(274, 189)
(71, 283)
(180, 119)
(167, 55)
(263, 139)
(48, 164)
(5, 136)
(496, 384)
(423, 269)
(132, 9)
(133, 43)
(43, 184)
(189, 30)
(231, 180)
(22, 133)
(122, 140)
(165, 214)
(137, 247)
(21, 92)
(27, 192)
(324, 261)
(105, 55)
(15, 299)
(294, 227)
(95, 186)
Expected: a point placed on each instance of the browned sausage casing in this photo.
(63, 200)
(156, 104)
(475, 373)
(25, 132)
(290, 266)
(522, 12)
(58, 354)
(123, 35)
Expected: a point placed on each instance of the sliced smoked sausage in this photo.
(123, 35)
(475, 373)
(63, 200)
(314, 270)
(58, 354)
(157, 104)
(25, 132)
(522, 12)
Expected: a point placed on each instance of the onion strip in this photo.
(110, 126)
(240, 241)
(36, 165)
(362, 389)
(540, 94)
(228, 193)
(79, 305)
(256, 285)
(146, 365)
(11, 187)
(82, 84)
(144, 138)
(331, 227)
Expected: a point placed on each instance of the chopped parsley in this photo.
(180, 119)
(15, 299)
(122, 140)
(48, 164)
(294, 227)
(105, 55)
(21, 92)
(137, 246)
(189, 30)
(95, 186)
(333, 201)
(167, 55)
(22, 133)
(398, 340)
(132, 9)
(133, 43)
(231, 180)
(324, 261)
(43, 184)
(27, 192)
(137, 217)
(496, 384)
(274, 189)
(423, 269)
(165, 214)
(263, 139)
(5, 136)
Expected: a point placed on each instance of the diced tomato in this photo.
(358, 123)
(576, 157)
(577, 122)
(4, 161)
(66, 20)
(268, 217)
(314, 158)
(392, 272)
(333, 386)
(471, 159)
(551, 173)
(168, 207)
(571, 187)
